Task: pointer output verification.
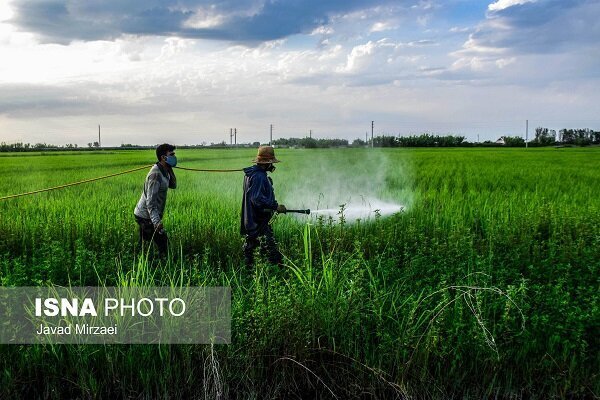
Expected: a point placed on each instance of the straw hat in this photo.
(265, 155)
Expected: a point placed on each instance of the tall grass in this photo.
(487, 286)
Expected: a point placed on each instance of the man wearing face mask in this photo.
(258, 205)
(151, 206)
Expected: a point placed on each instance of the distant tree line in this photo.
(542, 137)
(424, 140)
(19, 146)
(579, 137)
(24, 147)
(511, 141)
(310, 143)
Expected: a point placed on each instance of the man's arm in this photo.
(151, 189)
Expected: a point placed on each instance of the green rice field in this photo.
(486, 285)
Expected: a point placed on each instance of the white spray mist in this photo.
(326, 180)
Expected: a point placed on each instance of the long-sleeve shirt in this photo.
(154, 196)
(258, 198)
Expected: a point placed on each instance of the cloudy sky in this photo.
(186, 71)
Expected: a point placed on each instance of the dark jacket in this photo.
(258, 196)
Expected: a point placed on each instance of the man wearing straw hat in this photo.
(258, 205)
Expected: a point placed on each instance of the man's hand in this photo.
(281, 209)
(158, 227)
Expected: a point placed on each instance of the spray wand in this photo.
(288, 211)
(275, 213)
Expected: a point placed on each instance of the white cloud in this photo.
(322, 30)
(363, 56)
(456, 29)
(204, 18)
(503, 4)
(503, 62)
(381, 26)
(174, 46)
(422, 42)
(503, 46)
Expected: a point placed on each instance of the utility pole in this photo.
(526, 133)
(234, 135)
(366, 138)
(478, 138)
(230, 135)
(310, 134)
(99, 142)
(271, 136)
(372, 127)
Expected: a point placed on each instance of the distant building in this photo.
(500, 140)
